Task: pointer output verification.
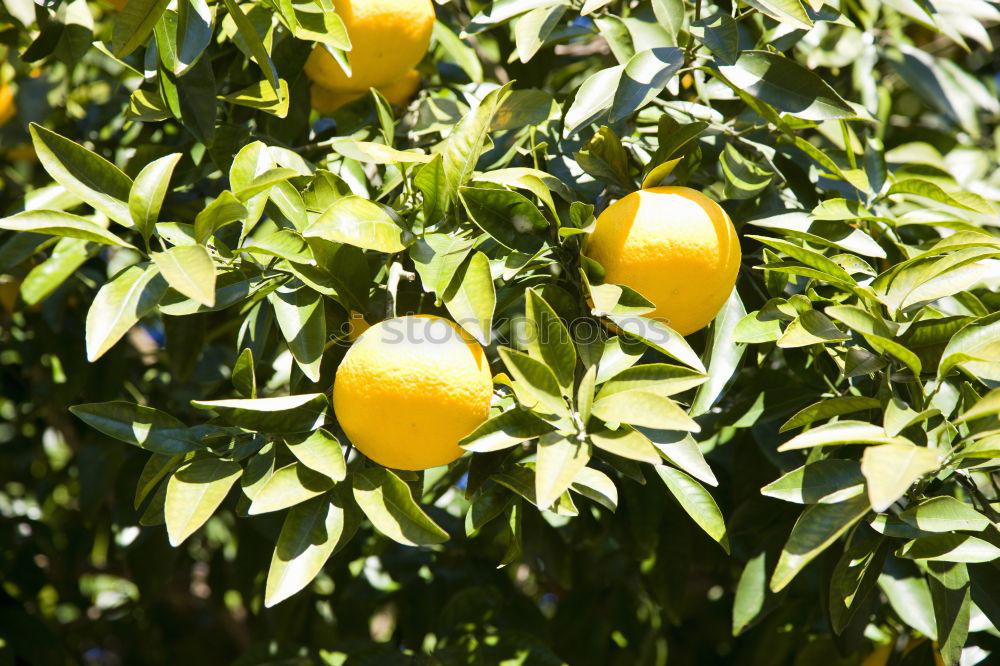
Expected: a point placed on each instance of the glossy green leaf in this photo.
(319, 451)
(697, 502)
(189, 270)
(145, 427)
(120, 304)
(387, 502)
(194, 492)
(816, 528)
(288, 486)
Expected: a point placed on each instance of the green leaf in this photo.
(786, 85)
(809, 258)
(156, 468)
(148, 191)
(461, 150)
(951, 594)
(659, 337)
(890, 470)
(643, 408)
(720, 34)
(225, 209)
(818, 527)
(534, 27)
(319, 451)
(660, 378)
(288, 486)
(244, 375)
(989, 405)
(975, 348)
(430, 179)
(134, 24)
(697, 502)
(508, 217)
(724, 356)
(593, 99)
(820, 482)
(253, 42)
(457, 51)
(387, 502)
(194, 492)
(98, 182)
(627, 443)
(43, 279)
(360, 223)
(786, 11)
(745, 179)
(750, 601)
(262, 96)
(597, 486)
(548, 340)
(854, 577)
(301, 319)
(283, 243)
(504, 431)
(558, 462)
(929, 190)
(194, 33)
(378, 153)
(842, 432)
(189, 270)
(909, 596)
(287, 414)
(471, 298)
(945, 514)
(644, 77)
(119, 305)
(141, 426)
(681, 450)
(810, 328)
(58, 223)
(311, 533)
(535, 385)
(437, 257)
(950, 547)
(826, 409)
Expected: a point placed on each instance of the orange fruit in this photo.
(388, 38)
(673, 245)
(409, 389)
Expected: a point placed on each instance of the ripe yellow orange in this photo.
(388, 38)
(409, 389)
(326, 101)
(399, 92)
(673, 245)
(7, 106)
(402, 89)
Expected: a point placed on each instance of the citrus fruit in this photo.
(325, 100)
(7, 106)
(409, 389)
(673, 245)
(388, 38)
(399, 92)
(402, 89)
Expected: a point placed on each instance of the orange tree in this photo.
(617, 457)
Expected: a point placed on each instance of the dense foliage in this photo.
(187, 249)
